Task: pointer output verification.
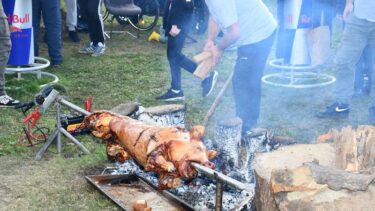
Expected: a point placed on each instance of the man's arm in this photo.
(231, 35)
(348, 9)
(212, 32)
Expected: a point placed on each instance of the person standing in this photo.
(178, 16)
(5, 46)
(50, 11)
(91, 8)
(71, 19)
(248, 25)
(359, 32)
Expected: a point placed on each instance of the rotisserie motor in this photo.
(167, 151)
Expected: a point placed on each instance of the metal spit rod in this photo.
(219, 176)
(72, 106)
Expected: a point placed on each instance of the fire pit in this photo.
(199, 193)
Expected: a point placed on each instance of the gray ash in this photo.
(199, 193)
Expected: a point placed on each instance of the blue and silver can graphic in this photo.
(19, 14)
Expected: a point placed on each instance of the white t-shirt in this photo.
(255, 20)
(365, 9)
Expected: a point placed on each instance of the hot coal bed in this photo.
(200, 192)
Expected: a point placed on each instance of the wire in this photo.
(30, 135)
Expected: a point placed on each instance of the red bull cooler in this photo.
(19, 13)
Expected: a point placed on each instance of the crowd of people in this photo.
(247, 25)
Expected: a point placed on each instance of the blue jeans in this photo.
(248, 72)
(177, 59)
(358, 33)
(363, 67)
(50, 10)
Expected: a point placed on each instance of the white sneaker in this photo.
(6, 102)
(99, 50)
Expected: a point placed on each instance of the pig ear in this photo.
(197, 132)
(211, 154)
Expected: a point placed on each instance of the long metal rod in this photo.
(58, 126)
(45, 146)
(219, 195)
(75, 141)
(72, 106)
(219, 176)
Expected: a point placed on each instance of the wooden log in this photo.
(228, 138)
(126, 109)
(355, 148)
(288, 157)
(217, 100)
(327, 176)
(338, 179)
(203, 69)
(165, 115)
(202, 56)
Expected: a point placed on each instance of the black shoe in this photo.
(8, 102)
(73, 36)
(334, 110)
(171, 96)
(371, 115)
(208, 84)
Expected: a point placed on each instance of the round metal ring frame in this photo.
(40, 64)
(297, 76)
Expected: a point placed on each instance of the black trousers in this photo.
(177, 60)
(94, 19)
(248, 71)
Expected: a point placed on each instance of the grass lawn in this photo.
(131, 70)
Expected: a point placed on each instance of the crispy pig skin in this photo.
(167, 151)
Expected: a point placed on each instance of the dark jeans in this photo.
(364, 67)
(250, 64)
(177, 59)
(50, 10)
(94, 19)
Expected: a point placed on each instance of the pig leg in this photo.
(116, 152)
(156, 162)
(159, 163)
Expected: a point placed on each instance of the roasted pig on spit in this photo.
(167, 151)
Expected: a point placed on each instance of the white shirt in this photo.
(255, 20)
(365, 9)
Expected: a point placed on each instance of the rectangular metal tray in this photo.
(126, 189)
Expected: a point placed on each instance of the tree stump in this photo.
(228, 138)
(166, 115)
(325, 176)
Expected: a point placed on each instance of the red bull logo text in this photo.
(17, 19)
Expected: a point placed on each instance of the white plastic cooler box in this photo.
(19, 13)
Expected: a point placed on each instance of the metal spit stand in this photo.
(54, 97)
(221, 179)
